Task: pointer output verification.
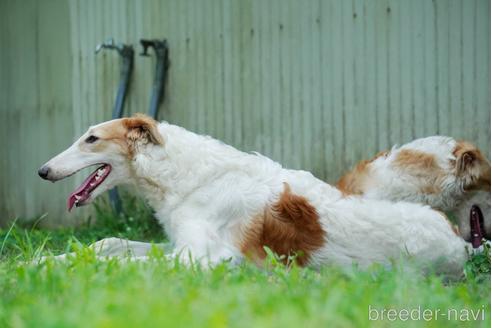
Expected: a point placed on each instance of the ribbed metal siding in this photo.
(313, 84)
(317, 85)
(35, 105)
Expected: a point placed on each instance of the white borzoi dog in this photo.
(439, 171)
(217, 203)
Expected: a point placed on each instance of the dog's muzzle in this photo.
(43, 172)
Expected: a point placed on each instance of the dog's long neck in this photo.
(167, 174)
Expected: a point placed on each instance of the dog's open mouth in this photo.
(83, 193)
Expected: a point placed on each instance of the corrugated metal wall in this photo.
(317, 85)
(35, 104)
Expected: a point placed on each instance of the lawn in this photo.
(85, 292)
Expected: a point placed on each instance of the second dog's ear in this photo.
(467, 157)
(466, 160)
(472, 166)
(142, 127)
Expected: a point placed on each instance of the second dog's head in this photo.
(472, 170)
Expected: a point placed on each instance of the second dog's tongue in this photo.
(476, 221)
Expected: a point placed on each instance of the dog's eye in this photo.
(91, 139)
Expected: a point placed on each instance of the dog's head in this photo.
(473, 171)
(110, 147)
(480, 198)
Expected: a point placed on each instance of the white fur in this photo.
(205, 193)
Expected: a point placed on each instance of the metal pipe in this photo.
(126, 54)
(161, 52)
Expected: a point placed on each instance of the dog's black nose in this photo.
(43, 172)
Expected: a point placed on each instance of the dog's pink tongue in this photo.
(70, 202)
(82, 193)
(72, 199)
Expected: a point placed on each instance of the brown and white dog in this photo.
(439, 171)
(217, 203)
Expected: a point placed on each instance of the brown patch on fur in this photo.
(142, 127)
(417, 162)
(421, 165)
(113, 131)
(352, 182)
(291, 225)
(472, 166)
(129, 133)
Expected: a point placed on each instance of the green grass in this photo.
(85, 292)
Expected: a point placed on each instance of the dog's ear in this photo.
(142, 128)
(467, 157)
(472, 166)
(466, 160)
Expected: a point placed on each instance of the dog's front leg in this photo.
(118, 247)
(198, 244)
(111, 247)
